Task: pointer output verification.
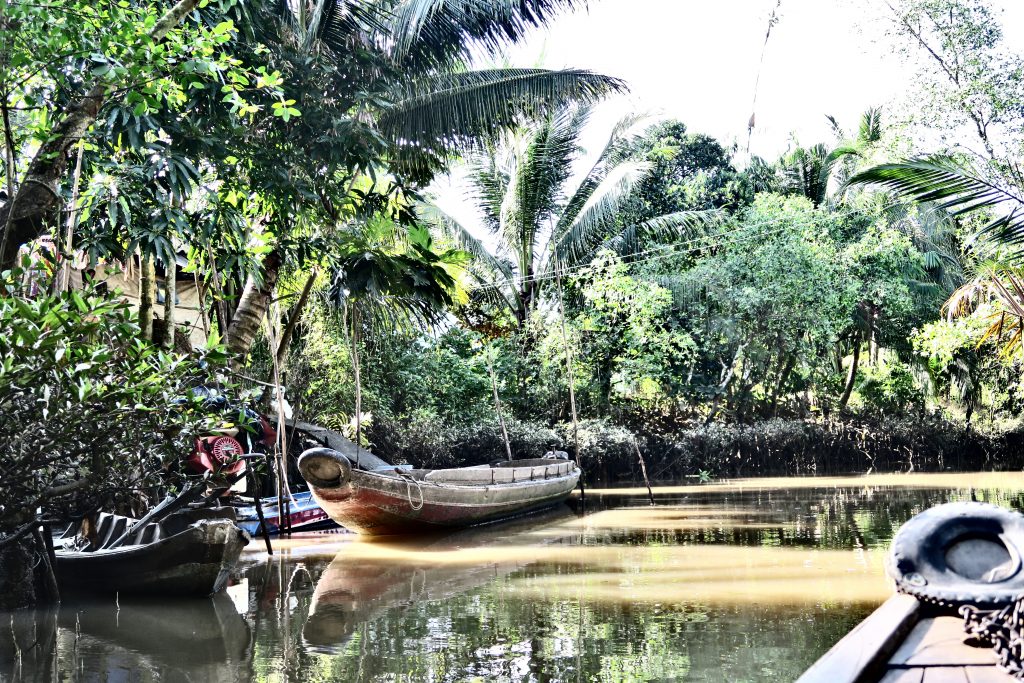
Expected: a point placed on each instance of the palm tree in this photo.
(957, 187)
(423, 105)
(542, 226)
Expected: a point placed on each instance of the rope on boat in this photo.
(409, 481)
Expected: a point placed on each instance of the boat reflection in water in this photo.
(415, 570)
(133, 639)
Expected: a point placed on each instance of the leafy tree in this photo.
(688, 171)
(142, 53)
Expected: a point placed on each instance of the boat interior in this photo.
(499, 473)
(104, 529)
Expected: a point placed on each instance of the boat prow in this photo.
(949, 562)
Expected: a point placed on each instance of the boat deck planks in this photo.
(900, 643)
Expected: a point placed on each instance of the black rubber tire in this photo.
(917, 561)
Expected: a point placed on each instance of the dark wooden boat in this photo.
(190, 552)
(949, 562)
(368, 496)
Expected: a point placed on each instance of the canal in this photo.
(737, 581)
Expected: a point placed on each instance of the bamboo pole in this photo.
(497, 405)
(569, 370)
(643, 469)
(359, 388)
(64, 278)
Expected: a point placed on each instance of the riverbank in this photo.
(678, 450)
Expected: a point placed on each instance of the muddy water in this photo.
(739, 581)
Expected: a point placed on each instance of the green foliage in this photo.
(689, 171)
(628, 333)
(91, 415)
(891, 388)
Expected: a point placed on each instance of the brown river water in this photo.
(748, 580)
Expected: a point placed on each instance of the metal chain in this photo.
(1003, 629)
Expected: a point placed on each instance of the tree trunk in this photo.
(359, 383)
(293, 319)
(66, 246)
(252, 307)
(783, 379)
(23, 579)
(31, 211)
(730, 372)
(170, 292)
(147, 296)
(851, 378)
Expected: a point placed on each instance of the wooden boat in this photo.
(366, 495)
(959, 556)
(190, 552)
(907, 641)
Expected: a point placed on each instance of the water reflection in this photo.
(125, 639)
(744, 581)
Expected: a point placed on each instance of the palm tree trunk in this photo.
(252, 307)
(170, 292)
(852, 376)
(147, 296)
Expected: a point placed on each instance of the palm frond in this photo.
(612, 153)
(665, 229)
(870, 129)
(445, 111)
(464, 240)
(575, 242)
(438, 32)
(955, 187)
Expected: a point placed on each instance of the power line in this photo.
(659, 252)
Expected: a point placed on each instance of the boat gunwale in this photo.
(469, 486)
(862, 655)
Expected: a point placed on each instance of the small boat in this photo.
(304, 514)
(959, 578)
(366, 495)
(191, 552)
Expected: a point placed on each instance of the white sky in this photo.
(697, 61)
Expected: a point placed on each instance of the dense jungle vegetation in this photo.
(854, 304)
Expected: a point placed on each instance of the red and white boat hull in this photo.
(399, 501)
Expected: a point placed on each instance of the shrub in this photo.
(91, 416)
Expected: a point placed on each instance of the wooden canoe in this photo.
(183, 555)
(394, 501)
(907, 641)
